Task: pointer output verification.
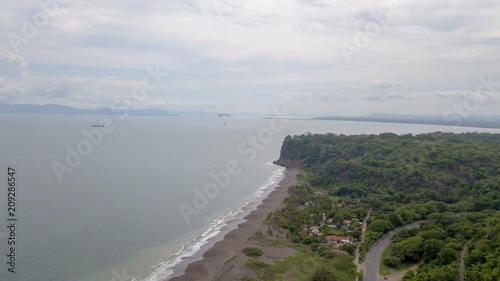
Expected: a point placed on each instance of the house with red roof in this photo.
(337, 239)
(315, 230)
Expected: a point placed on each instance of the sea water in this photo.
(141, 197)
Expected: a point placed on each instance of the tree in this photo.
(447, 255)
(437, 233)
(444, 274)
(350, 248)
(395, 219)
(380, 225)
(392, 261)
(409, 249)
(356, 233)
(431, 249)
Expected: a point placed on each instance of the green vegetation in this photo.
(253, 251)
(450, 182)
(255, 264)
(390, 263)
(323, 274)
(301, 267)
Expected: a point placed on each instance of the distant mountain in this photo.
(56, 109)
(479, 121)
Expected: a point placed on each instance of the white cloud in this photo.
(483, 96)
(386, 84)
(94, 52)
(12, 65)
(324, 97)
(57, 89)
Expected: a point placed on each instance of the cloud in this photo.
(10, 93)
(386, 84)
(52, 90)
(483, 96)
(323, 97)
(12, 65)
(92, 53)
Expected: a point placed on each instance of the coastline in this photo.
(215, 262)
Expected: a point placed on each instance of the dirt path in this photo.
(397, 276)
(363, 229)
(461, 270)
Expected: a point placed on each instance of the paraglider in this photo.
(221, 115)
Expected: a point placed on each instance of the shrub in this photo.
(392, 261)
(323, 274)
(255, 264)
(252, 251)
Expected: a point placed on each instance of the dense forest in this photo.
(450, 182)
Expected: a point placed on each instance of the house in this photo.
(346, 222)
(337, 239)
(333, 226)
(356, 220)
(315, 230)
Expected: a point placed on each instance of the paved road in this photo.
(372, 259)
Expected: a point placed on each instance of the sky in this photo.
(312, 57)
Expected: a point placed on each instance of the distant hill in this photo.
(67, 110)
(479, 121)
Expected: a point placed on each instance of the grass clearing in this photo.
(301, 266)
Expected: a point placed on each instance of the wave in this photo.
(165, 269)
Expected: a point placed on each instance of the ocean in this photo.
(137, 198)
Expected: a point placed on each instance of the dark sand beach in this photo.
(225, 261)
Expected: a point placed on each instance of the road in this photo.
(372, 259)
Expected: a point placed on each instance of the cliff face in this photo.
(288, 154)
(288, 163)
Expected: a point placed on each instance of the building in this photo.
(337, 239)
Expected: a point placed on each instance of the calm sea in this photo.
(132, 199)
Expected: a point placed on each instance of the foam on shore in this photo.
(193, 250)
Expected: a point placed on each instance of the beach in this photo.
(225, 260)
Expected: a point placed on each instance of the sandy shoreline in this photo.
(225, 261)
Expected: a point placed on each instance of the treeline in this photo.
(460, 169)
(452, 181)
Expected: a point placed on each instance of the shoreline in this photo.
(214, 262)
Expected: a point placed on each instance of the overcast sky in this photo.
(316, 57)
